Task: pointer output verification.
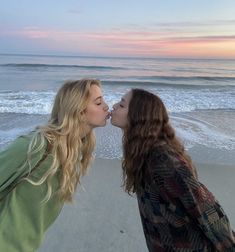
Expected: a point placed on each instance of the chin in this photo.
(112, 122)
(102, 124)
(115, 124)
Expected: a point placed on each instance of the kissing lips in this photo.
(108, 116)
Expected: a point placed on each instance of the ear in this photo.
(83, 112)
(83, 116)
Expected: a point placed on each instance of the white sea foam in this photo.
(26, 102)
(200, 132)
(176, 100)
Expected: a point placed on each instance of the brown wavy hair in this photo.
(148, 126)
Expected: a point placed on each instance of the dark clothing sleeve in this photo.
(177, 183)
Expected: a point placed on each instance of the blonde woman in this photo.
(39, 172)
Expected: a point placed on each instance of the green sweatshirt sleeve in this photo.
(11, 162)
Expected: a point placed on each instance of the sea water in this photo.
(199, 94)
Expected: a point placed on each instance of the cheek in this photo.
(90, 113)
(94, 115)
(120, 118)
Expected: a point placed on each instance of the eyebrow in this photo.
(123, 100)
(100, 97)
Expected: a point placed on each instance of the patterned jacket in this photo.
(178, 212)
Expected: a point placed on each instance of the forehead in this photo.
(95, 91)
(127, 96)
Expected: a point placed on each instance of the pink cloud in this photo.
(129, 42)
(28, 32)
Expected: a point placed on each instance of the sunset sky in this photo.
(150, 28)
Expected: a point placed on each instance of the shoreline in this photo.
(203, 142)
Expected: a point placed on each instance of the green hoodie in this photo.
(23, 217)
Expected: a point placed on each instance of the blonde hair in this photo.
(71, 153)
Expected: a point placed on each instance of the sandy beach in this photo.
(104, 218)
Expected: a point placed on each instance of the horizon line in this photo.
(117, 57)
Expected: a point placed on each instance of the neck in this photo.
(85, 131)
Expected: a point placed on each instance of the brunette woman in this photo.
(178, 212)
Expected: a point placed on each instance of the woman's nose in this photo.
(106, 107)
(114, 105)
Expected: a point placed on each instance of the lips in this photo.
(108, 116)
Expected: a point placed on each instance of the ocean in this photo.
(198, 93)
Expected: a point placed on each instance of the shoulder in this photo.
(166, 162)
(162, 160)
(162, 155)
(20, 145)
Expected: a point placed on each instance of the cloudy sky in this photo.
(150, 28)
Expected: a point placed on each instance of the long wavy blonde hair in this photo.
(71, 153)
